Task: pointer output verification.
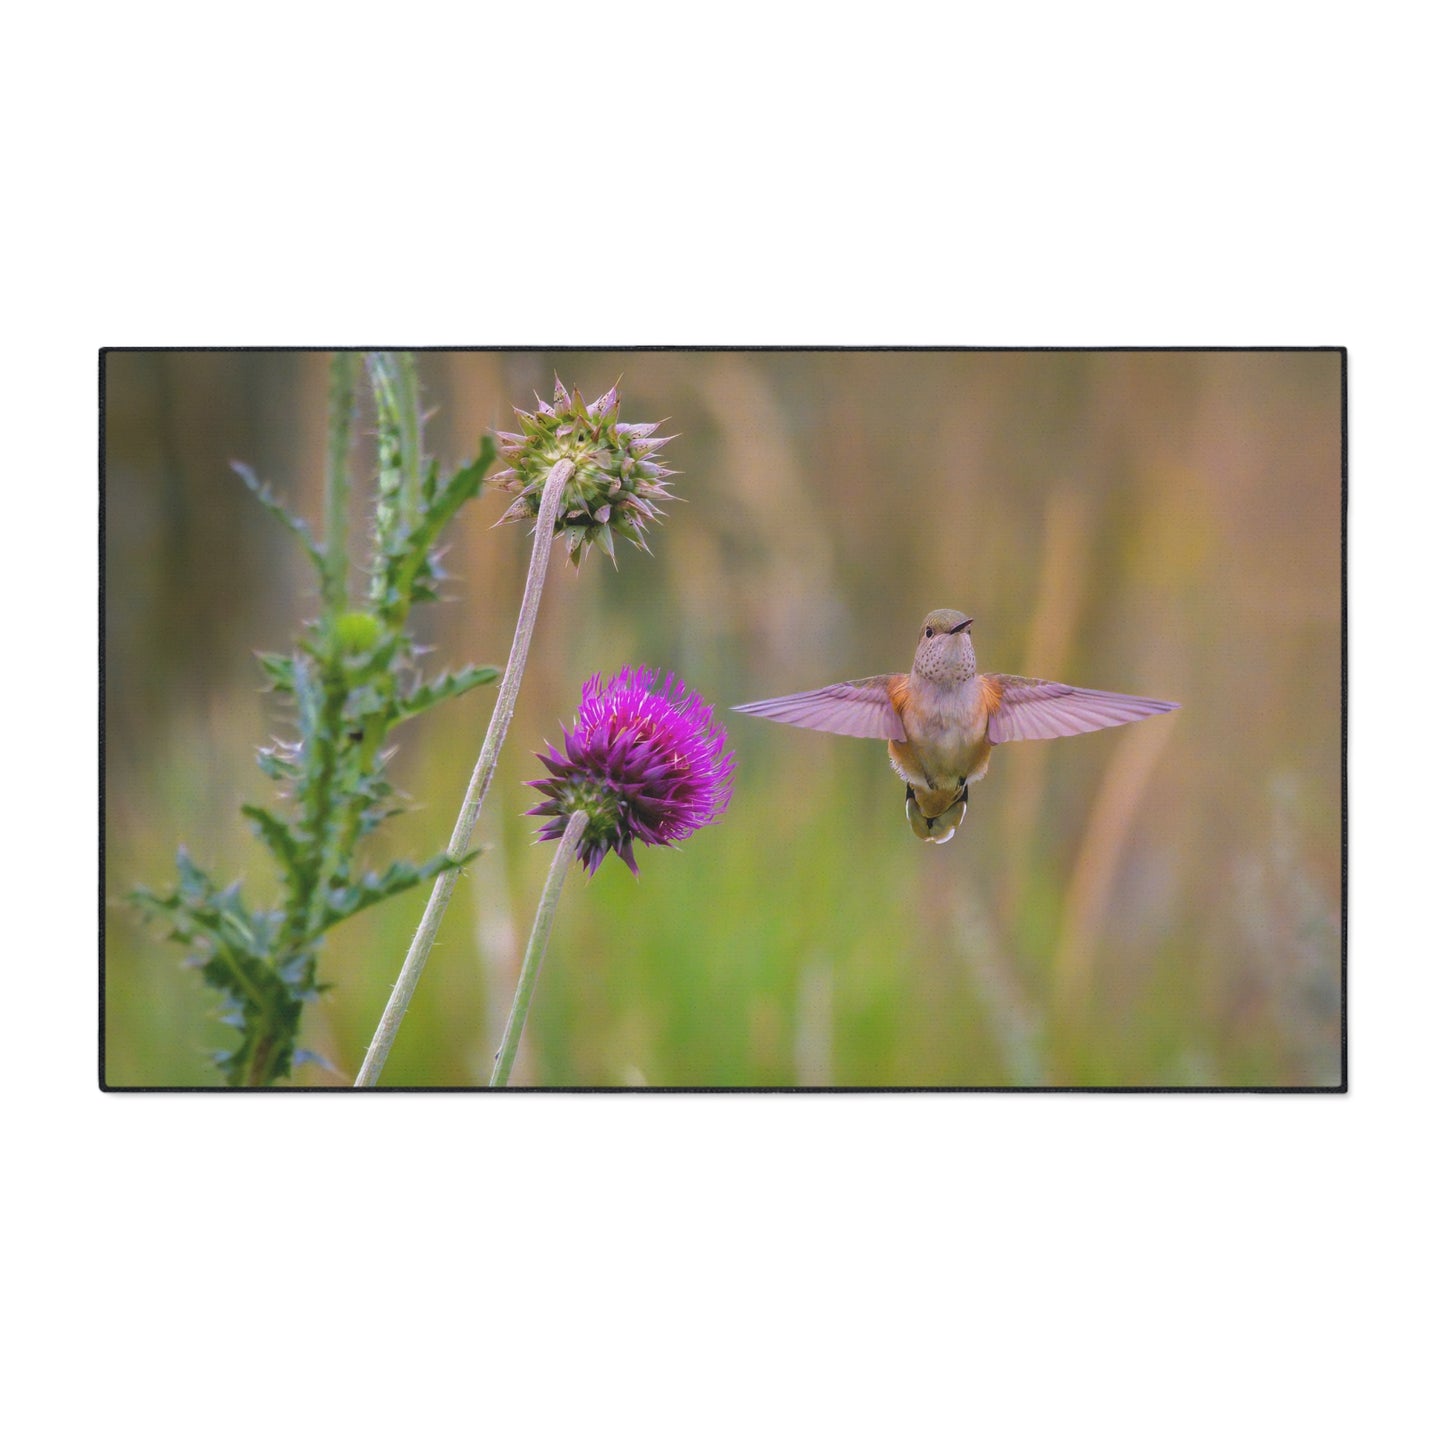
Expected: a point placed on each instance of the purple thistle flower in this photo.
(645, 763)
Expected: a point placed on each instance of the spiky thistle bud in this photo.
(618, 478)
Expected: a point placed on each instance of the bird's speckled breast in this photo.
(947, 728)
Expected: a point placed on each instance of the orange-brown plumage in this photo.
(991, 690)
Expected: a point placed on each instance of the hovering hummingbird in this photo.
(943, 719)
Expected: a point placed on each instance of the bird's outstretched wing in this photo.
(1029, 707)
(863, 708)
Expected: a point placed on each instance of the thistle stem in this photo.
(536, 949)
(441, 893)
(344, 369)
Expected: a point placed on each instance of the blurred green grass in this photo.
(1118, 909)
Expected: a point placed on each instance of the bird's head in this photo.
(945, 647)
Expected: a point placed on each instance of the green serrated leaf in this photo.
(277, 766)
(466, 482)
(268, 499)
(283, 843)
(310, 1056)
(409, 565)
(169, 910)
(195, 884)
(270, 1018)
(308, 693)
(373, 818)
(429, 484)
(236, 935)
(367, 700)
(347, 902)
(280, 670)
(448, 685)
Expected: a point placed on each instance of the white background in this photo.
(684, 1268)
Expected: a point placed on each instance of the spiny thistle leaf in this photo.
(465, 483)
(448, 685)
(231, 948)
(285, 846)
(411, 570)
(345, 902)
(268, 499)
(270, 1019)
(310, 1056)
(280, 670)
(277, 763)
(195, 884)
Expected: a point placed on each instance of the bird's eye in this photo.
(928, 632)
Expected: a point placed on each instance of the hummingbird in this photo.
(943, 719)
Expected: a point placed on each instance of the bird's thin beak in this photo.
(966, 623)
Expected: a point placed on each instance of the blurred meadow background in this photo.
(1157, 905)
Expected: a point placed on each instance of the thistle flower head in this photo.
(645, 763)
(618, 478)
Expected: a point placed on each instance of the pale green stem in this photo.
(441, 893)
(537, 948)
(344, 370)
(323, 823)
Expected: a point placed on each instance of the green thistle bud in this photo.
(357, 631)
(617, 481)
